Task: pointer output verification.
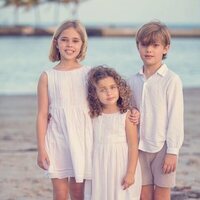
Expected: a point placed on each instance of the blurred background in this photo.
(26, 28)
(24, 53)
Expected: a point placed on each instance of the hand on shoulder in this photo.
(134, 116)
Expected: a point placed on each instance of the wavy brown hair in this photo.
(94, 76)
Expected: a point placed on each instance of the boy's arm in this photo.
(175, 126)
(135, 114)
(170, 162)
(134, 117)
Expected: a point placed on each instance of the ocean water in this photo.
(22, 59)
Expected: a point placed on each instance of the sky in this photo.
(112, 12)
(139, 11)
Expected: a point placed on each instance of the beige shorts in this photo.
(151, 166)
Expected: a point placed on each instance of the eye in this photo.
(63, 39)
(156, 44)
(143, 44)
(76, 40)
(102, 90)
(113, 87)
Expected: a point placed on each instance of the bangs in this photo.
(152, 38)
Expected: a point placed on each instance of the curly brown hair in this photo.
(94, 76)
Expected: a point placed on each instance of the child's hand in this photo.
(134, 116)
(43, 160)
(169, 164)
(128, 181)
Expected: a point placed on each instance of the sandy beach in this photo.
(21, 179)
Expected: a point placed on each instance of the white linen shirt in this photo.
(160, 102)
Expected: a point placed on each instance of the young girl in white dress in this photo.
(65, 139)
(116, 171)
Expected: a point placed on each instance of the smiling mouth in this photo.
(69, 51)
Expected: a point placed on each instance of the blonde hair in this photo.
(94, 76)
(54, 54)
(150, 32)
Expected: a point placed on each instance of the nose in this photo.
(148, 48)
(108, 92)
(69, 43)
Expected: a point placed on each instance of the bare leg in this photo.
(60, 189)
(147, 192)
(161, 193)
(76, 190)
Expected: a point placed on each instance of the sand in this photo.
(22, 179)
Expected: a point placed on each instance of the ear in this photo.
(55, 43)
(166, 49)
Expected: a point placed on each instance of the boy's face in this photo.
(152, 54)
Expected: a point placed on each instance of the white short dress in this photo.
(69, 136)
(110, 159)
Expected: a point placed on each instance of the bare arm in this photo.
(132, 140)
(42, 120)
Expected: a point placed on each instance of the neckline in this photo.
(111, 113)
(72, 70)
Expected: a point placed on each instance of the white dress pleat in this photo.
(110, 159)
(69, 136)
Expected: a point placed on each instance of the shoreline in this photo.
(22, 179)
(186, 90)
(103, 31)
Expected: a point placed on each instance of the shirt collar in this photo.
(161, 71)
(141, 71)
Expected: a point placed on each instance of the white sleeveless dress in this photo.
(110, 159)
(69, 136)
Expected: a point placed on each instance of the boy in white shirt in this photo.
(157, 94)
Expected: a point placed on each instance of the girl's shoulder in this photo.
(45, 74)
(87, 68)
(47, 70)
(124, 117)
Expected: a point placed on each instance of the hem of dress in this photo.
(79, 179)
(64, 175)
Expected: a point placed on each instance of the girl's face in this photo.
(152, 54)
(107, 92)
(69, 44)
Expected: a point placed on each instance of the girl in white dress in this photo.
(116, 170)
(65, 138)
